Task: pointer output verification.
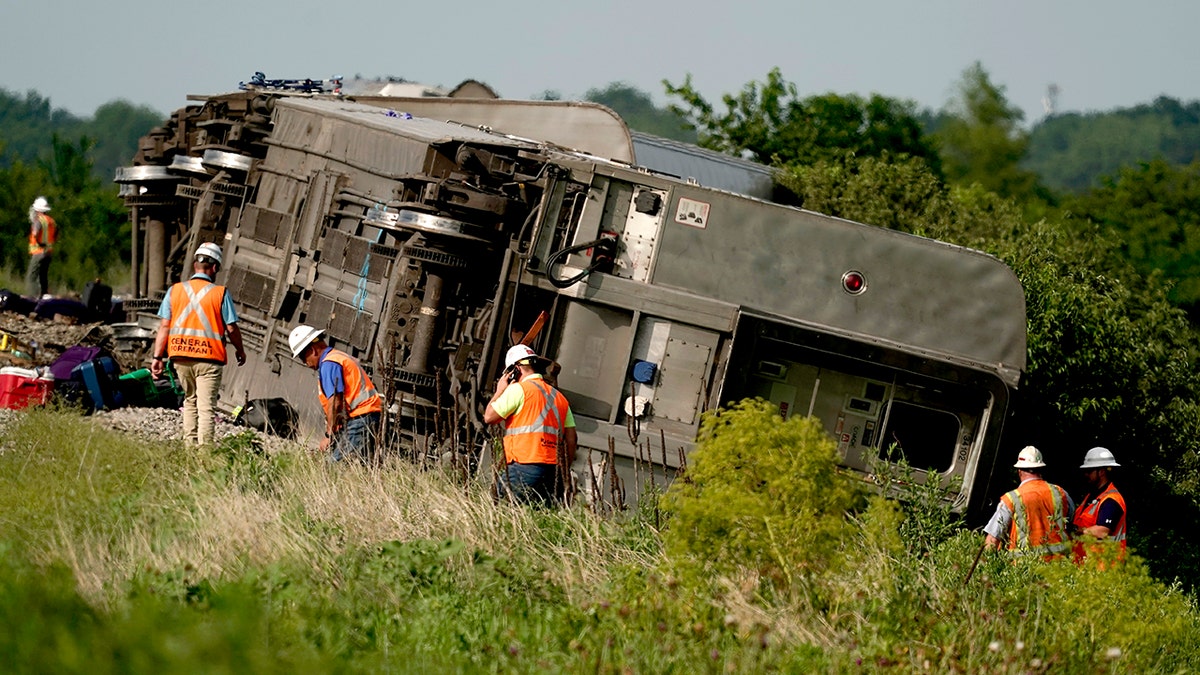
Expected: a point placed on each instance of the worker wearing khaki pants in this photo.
(201, 382)
(197, 317)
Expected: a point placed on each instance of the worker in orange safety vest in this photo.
(197, 318)
(353, 408)
(1101, 514)
(43, 233)
(1034, 518)
(536, 418)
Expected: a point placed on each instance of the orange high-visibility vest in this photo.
(1040, 516)
(49, 234)
(197, 329)
(1089, 511)
(360, 397)
(531, 434)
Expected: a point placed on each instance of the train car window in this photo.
(924, 437)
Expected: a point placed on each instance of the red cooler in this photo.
(21, 387)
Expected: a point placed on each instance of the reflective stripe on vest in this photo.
(1087, 513)
(44, 244)
(360, 396)
(531, 434)
(1039, 519)
(197, 330)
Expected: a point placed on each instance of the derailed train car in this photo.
(426, 248)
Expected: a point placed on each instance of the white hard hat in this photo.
(41, 205)
(1029, 458)
(302, 336)
(518, 353)
(210, 250)
(1098, 458)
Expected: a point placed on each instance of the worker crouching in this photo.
(353, 408)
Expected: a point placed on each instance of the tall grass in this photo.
(118, 555)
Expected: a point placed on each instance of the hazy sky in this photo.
(1102, 54)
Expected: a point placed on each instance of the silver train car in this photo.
(426, 236)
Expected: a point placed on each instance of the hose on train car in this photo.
(602, 259)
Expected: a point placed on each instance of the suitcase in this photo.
(23, 387)
(99, 378)
(97, 297)
(65, 364)
(271, 415)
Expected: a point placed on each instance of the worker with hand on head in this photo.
(1101, 514)
(353, 408)
(197, 318)
(1033, 518)
(43, 233)
(536, 417)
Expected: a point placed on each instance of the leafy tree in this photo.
(28, 126)
(981, 140)
(116, 128)
(44, 151)
(1154, 211)
(639, 112)
(770, 123)
(27, 123)
(896, 193)
(1074, 151)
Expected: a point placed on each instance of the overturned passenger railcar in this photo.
(427, 247)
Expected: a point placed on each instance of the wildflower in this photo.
(1113, 653)
(994, 646)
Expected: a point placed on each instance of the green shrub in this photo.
(761, 493)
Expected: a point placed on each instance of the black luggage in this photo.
(15, 302)
(97, 296)
(271, 415)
